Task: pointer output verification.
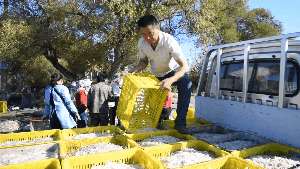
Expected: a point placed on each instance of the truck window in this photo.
(263, 77)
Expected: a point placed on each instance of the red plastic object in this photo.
(34, 119)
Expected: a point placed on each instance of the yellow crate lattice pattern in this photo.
(28, 136)
(136, 156)
(66, 133)
(51, 163)
(141, 102)
(274, 149)
(67, 146)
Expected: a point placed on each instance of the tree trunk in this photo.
(117, 61)
(51, 55)
(5, 10)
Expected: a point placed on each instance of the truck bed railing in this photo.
(247, 47)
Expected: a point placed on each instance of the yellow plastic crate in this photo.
(51, 148)
(136, 156)
(242, 136)
(272, 148)
(227, 162)
(51, 163)
(28, 136)
(174, 133)
(141, 102)
(166, 150)
(66, 133)
(190, 113)
(67, 146)
(3, 106)
(213, 129)
(189, 124)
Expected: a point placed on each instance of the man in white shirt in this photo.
(167, 62)
(116, 89)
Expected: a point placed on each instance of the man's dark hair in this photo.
(147, 20)
(105, 74)
(100, 78)
(54, 78)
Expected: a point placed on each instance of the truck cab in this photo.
(253, 86)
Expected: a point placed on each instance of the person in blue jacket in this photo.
(58, 105)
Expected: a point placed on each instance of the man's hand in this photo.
(166, 84)
(78, 117)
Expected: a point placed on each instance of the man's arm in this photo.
(166, 84)
(140, 66)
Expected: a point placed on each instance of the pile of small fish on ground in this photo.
(10, 125)
(274, 162)
(113, 165)
(158, 140)
(89, 135)
(145, 130)
(185, 156)
(204, 135)
(37, 140)
(236, 145)
(25, 156)
(94, 149)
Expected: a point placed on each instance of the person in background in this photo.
(58, 105)
(81, 103)
(167, 62)
(116, 89)
(105, 76)
(165, 114)
(98, 102)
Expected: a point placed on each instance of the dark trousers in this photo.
(99, 119)
(54, 122)
(114, 112)
(83, 115)
(165, 114)
(184, 86)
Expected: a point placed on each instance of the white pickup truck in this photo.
(253, 86)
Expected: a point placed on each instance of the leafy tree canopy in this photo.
(79, 36)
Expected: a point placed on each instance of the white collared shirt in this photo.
(162, 59)
(116, 89)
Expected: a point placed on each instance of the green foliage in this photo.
(79, 36)
(14, 35)
(38, 71)
(258, 23)
(194, 75)
(216, 22)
